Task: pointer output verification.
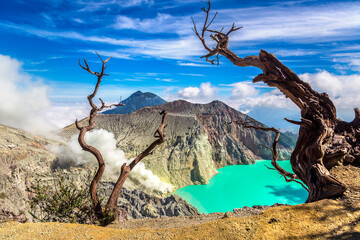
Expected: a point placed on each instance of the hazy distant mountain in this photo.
(136, 101)
(199, 139)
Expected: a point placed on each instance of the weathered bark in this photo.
(111, 211)
(125, 170)
(323, 139)
(91, 124)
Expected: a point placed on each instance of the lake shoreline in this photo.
(238, 186)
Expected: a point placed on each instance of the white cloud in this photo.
(248, 102)
(342, 89)
(241, 89)
(165, 80)
(204, 93)
(335, 21)
(23, 98)
(189, 92)
(349, 60)
(161, 23)
(114, 158)
(90, 6)
(293, 23)
(78, 20)
(295, 53)
(64, 114)
(193, 74)
(244, 96)
(25, 103)
(191, 64)
(132, 3)
(113, 54)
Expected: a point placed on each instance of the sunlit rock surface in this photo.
(199, 140)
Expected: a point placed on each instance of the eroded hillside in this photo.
(199, 140)
(25, 159)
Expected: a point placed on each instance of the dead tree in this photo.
(111, 211)
(324, 140)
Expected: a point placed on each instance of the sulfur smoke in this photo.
(114, 158)
(23, 98)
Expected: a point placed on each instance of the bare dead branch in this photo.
(91, 124)
(233, 29)
(87, 68)
(103, 106)
(289, 177)
(91, 149)
(111, 205)
(321, 132)
(103, 64)
(221, 40)
(205, 27)
(160, 134)
(270, 168)
(77, 125)
(293, 121)
(302, 122)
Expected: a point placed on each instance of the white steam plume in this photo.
(22, 97)
(114, 158)
(25, 104)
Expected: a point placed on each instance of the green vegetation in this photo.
(3, 195)
(62, 202)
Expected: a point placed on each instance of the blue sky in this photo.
(154, 49)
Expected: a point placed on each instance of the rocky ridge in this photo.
(199, 140)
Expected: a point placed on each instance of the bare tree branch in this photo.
(320, 133)
(111, 206)
(302, 122)
(160, 134)
(103, 106)
(91, 124)
(289, 177)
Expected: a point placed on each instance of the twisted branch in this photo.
(289, 177)
(111, 206)
(160, 134)
(91, 124)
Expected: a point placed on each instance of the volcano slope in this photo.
(26, 159)
(199, 140)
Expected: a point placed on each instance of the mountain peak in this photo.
(138, 92)
(136, 101)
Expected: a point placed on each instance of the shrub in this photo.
(62, 202)
(3, 195)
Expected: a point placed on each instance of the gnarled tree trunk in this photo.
(111, 212)
(323, 138)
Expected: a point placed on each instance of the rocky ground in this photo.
(139, 205)
(25, 158)
(325, 219)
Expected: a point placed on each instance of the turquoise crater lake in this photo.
(243, 185)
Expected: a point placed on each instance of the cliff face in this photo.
(25, 158)
(199, 140)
